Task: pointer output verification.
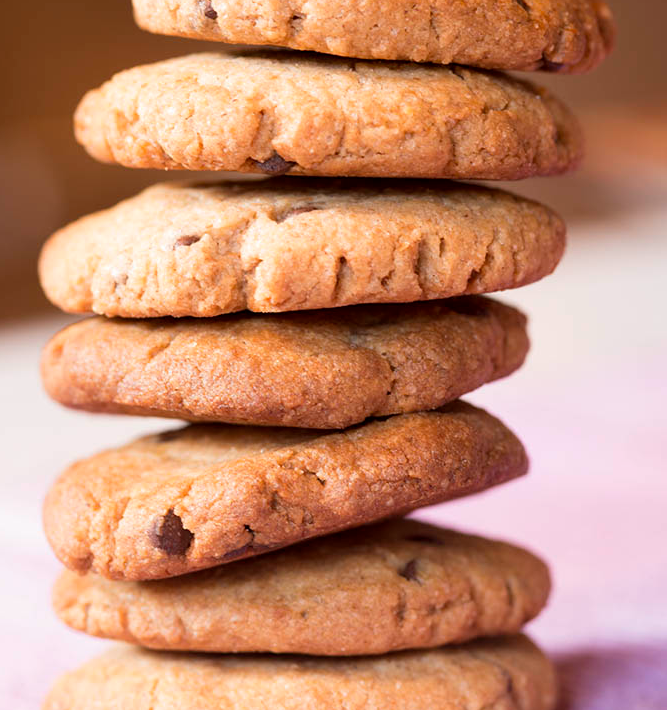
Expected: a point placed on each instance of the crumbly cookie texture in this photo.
(318, 115)
(508, 673)
(319, 370)
(391, 586)
(204, 495)
(294, 244)
(565, 36)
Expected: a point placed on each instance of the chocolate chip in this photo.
(169, 535)
(275, 165)
(424, 538)
(293, 211)
(210, 12)
(187, 240)
(523, 4)
(409, 571)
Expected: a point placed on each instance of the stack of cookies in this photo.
(317, 332)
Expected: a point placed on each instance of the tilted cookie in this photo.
(556, 35)
(318, 115)
(204, 495)
(391, 586)
(321, 369)
(508, 673)
(296, 244)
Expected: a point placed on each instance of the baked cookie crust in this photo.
(297, 244)
(317, 115)
(509, 673)
(197, 497)
(567, 36)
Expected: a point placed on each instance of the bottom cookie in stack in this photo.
(396, 585)
(509, 673)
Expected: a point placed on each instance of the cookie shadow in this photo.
(632, 677)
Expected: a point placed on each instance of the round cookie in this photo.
(200, 496)
(391, 586)
(319, 115)
(567, 36)
(508, 673)
(319, 370)
(297, 244)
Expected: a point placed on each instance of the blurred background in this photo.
(589, 404)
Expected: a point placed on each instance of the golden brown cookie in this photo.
(320, 369)
(295, 244)
(508, 673)
(391, 586)
(200, 496)
(565, 36)
(319, 115)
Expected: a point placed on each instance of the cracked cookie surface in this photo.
(318, 115)
(201, 496)
(386, 587)
(508, 673)
(297, 244)
(316, 369)
(565, 36)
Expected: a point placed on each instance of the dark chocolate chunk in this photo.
(275, 165)
(187, 240)
(210, 12)
(293, 211)
(169, 535)
(409, 571)
(523, 4)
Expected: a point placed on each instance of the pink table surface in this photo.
(590, 406)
